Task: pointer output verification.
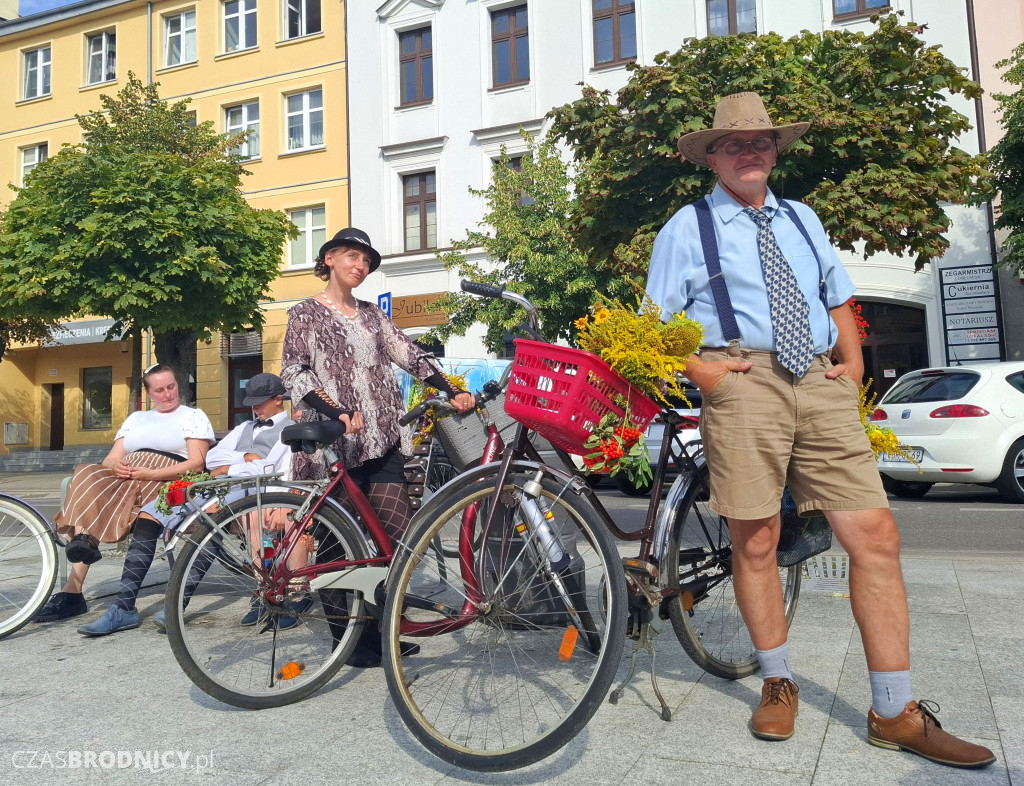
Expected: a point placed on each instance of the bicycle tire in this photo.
(712, 631)
(28, 564)
(468, 695)
(211, 588)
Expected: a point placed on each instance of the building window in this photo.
(301, 17)
(419, 202)
(311, 224)
(857, 7)
(515, 163)
(304, 116)
(31, 157)
(180, 38)
(101, 53)
(416, 65)
(239, 25)
(510, 42)
(96, 400)
(37, 73)
(614, 31)
(244, 117)
(731, 17)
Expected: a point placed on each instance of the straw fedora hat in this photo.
(738, 112)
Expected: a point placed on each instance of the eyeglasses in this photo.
(737, 147)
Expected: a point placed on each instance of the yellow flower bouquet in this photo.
(647, 352)
(883, 440)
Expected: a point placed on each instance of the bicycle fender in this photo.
(19, 502)
(669, 509)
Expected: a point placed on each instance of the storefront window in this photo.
(96, 386)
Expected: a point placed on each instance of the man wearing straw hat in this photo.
(761, 276)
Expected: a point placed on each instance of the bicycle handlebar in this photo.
(500, 293)
(483, 290)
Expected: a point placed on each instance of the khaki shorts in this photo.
(765, 428)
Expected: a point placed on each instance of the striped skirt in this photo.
(105, 506)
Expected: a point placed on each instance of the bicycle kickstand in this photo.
(648, 624)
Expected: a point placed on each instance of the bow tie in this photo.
(259, 423)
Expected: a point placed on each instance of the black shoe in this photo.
(61, 606)
(368, 653)
(83, 548)
(294, 608)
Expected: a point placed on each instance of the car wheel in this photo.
(908, 489)
(1011, 480)
(630, 489)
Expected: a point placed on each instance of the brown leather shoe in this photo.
(917, 730)
(773, 720)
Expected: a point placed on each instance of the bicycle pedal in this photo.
(648, 569)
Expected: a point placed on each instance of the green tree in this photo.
(530, 249)
(877, 164)
(1007, 162)
(22, 329)
(145, 223)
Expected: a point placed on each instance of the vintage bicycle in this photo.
(463, 696)
(514, 595)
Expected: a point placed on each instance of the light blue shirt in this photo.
(678, 278)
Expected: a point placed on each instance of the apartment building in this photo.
(438, 86)
(276, 67)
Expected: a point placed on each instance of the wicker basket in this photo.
(464, 436)
(562, 394)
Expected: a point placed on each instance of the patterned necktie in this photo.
(788, 307)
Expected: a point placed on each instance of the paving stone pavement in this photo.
(64, 693)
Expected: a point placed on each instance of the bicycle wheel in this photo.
(213, 586)
(515, 659)
(705, 617)
(28, 564)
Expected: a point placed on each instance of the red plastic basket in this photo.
(562, 394)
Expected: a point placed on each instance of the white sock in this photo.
(774, 663)
(890, 692)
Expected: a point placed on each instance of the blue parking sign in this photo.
(384, 302)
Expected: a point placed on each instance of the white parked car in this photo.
(962, 424)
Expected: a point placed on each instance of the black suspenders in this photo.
(719, 288)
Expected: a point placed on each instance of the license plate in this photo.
(915, 453)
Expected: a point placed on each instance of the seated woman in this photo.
(104, 500)
(251, 448)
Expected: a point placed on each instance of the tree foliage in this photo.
(22, 330)
(877, 164)
(531, 249)
(144, 223)
(1007, 162)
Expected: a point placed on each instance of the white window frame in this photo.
(37, 74)
(308, 239)
(246, 8)
(185, 35)
(308, 114)
(107, 55)
(300, 8)
(39, 153)
(245, 123)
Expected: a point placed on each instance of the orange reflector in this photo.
(687, 600)
(569, 639)
(291, 670)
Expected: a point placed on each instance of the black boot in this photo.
(369, 651)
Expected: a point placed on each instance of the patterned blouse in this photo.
(350, 360)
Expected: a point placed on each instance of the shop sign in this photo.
(411, 310)
(88, 331)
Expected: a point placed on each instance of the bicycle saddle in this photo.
(306, 436)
